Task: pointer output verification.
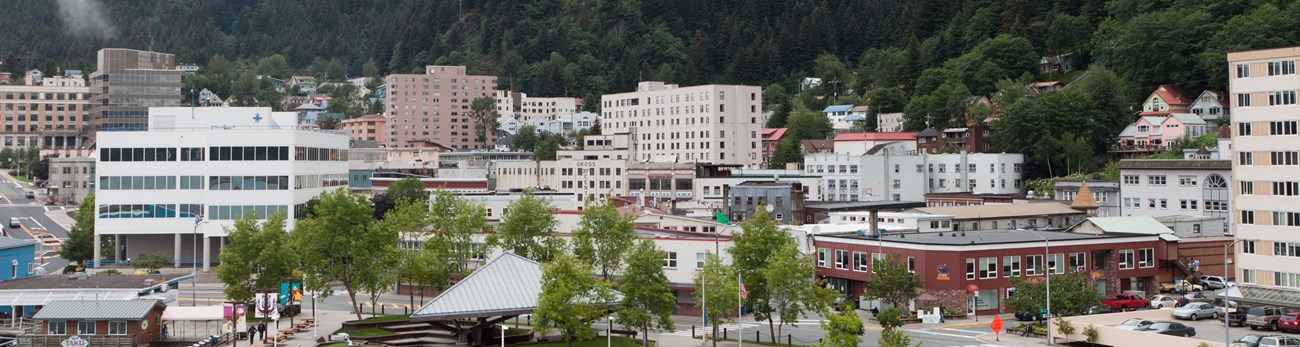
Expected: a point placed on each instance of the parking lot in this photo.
(1212, 329)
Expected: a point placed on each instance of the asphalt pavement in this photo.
(34, 222)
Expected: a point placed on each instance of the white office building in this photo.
(1169, 187)
(720, 124)
(175, 188)
(901, 175)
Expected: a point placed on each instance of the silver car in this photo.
(1196, 310)
(1134, 324)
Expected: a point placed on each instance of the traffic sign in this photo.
(997, 327)
(1042, 311)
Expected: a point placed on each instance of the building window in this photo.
(1243, 129)
(822, 255)
(1286, 218)
(1125, 259)
(1186, 181)
(841, 258)
(117, 328)
(1286, 249)
(1055, 262)
(1281, 127)
(1078, 262)
(1011, 266)
(1131, 180)
(670, 259)
(988, 268)
(699, 260)
(1243, 70)
(58, 327)
(1155, 180)
(970, 268)
(859, 261)
(1285, 188)
(1286, 279)
(85, 327)
(1245, 158)
(1248, 247)
(1284, 158)
(1243, 99)
(911, 264)
(1034, 265)
(1247, 187)
(1247, 217)
(1146, 257)
(1248, 276)
(1286, 97)
(1275, 68)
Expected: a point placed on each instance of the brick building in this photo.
(988, 259)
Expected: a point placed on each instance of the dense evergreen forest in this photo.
(923, 57)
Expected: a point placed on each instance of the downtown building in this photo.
(1266, 174)
(893, 171)
(127, 83)
(430, 109)
(50, 113)
(175, 188)
(718, 124)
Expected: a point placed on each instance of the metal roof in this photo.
(1277, 296)
(97, 309)
(983, 237)
(41, 297)
(837, 108)
(7, 243)
(506, 285)
(994, 211)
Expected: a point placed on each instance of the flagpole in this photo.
(740, 309)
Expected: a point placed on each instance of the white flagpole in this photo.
(740, 310)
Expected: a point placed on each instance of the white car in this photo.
(1216, 282)
(1134, 324)
(1162, 301)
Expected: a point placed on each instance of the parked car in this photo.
(1215, 282)
(1162, 301)
(1196, 311)
(1237, 317)
(30, 195)
(1198, 297)
(1029, 316)
(1250, 340)
(1278, 340)
(1263, 317)
(1289, 322)
(1182, 286)
(13, 223)
(1170, 328)
(1134, 324)
(1124, 302)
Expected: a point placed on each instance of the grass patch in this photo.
(337, 344)
(751, 342)
(516, 331)
(370, 333)
(386, 318)
(598, 342)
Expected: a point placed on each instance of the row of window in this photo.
(1275, 98)
(232, 212)
(1275, 68)
(131, 211)
(137, 154)
(860, 261)
(670, 260)
(248, 183)
(46, 96)
(138, 182)
(1279, 158)
(320, 181)
(319, 154)
(1286, 249)
(1279, 218)
(249, 153)
(85, 327)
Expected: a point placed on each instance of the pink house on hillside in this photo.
(1161, 131)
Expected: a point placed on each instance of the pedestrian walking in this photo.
(252, 333)
(261, 331)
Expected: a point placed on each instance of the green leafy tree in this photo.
(894, 337)
(806, 124)
(842, 329)
(789, 150)
(455, 221)
(342, 243)
(571, 299)
(526, 139)
(1119, 44)
(1090, 334)
(719, 293)
(1069, 34)
(1065, 327)
(792, 290)
(483, 112)
(648, 302)
(370, 69)
(152, 261)
(526, 229)
(752, 253)
(833, 72)
(603, 237)
(891, 281)
(546, 148)
(256, 257)
(884, 100)
(80, 246)
(407, 188)
(1072, 294)
(408, 217)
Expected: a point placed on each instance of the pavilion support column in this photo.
(207, 253)
(95, 256)
(176, 258)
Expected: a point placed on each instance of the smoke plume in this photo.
(86, 19)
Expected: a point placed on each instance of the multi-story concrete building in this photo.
(710, 180)
(714, 123)
(1164, 187)
(46, 115)
(897, 174)
(889, 122)
(524, 108)
(372, 127)
(127, 83)
(1105, 192)
(71, 179)
(435, 107)
(1265, 170)
(785, 200)
(193, 174)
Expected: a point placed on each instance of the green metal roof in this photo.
(1133, 225)
(97, 309)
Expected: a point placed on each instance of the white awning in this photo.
(193, 313)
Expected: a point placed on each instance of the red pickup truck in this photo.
(1125, 302)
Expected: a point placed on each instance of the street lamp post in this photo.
(194, 280)
(1227, 337)
(1047, 252)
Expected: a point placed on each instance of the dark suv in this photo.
(1237, 317)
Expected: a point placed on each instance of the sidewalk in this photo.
(60, 216)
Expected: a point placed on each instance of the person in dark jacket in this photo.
(261, 331)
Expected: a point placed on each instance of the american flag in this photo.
(744, 294)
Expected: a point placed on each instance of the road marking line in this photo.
(943, 334)
(968, 331)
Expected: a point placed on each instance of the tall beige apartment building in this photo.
(127, 83)
(720, 124)
(52, 115)
(525, 108)
(1266, 171)
(434, 107)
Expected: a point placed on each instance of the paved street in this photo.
(34, 220)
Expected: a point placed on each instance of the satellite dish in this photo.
(769, 208)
